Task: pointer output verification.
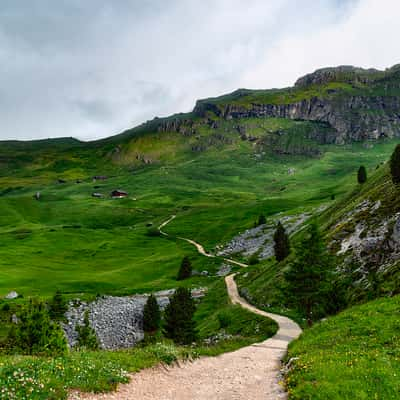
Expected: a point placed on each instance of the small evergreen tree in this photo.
(395, 165)
(35, 333)
(179, 323)
(307, 277)
(87, 337)
(281, 243)
(58, 307)
(362, 175)
(151, 315)
(185, 271)
(261, 220)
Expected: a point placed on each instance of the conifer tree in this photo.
(362, 175)
(87, 337)
(395, 165)
(151, 315)
(307, 277)
(262, 220)
(58, 307)
(35, 333)
(179, 323)
(185, 270)
(281, 243)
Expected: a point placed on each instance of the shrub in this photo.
(179, 323)
(151, 315)
(87, 337)
(261, 220)
(58, 307)
(185, 270)
(253, 259)
(224, 319)
(35, 333)
(153, 232)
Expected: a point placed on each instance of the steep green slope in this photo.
(354, 355)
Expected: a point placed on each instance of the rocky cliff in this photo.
(358, 104)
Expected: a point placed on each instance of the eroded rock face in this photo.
(374, 240)
(351, 116)
(117, 321)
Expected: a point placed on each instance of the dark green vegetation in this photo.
(306, 277)
(151, 315)
(281, 243)
(86, 336)
(35, 333)
(58, 307)
(362, 175)
(185, 270)
(395, 165)
(179, 324)
(354, 355)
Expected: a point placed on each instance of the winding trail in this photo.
(250, 373)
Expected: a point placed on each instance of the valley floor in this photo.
(249, 373)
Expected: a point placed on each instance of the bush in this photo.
(224, 319)
(179, 323)
(153, 232)
(58, 307)
(35, 333)
(151, 315)
(87, 337)
(185, 271)
(6, 307)
(253, 260)
(261, 220)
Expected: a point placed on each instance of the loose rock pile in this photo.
(117, 321)
(260, 239)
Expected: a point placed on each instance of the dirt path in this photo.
(250, 373)
(198, 246)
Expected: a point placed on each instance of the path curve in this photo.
(251, 372)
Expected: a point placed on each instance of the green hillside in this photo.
(354, 355)
(276, 153)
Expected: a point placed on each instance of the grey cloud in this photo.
(92, 68)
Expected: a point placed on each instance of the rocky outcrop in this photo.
(117, 321)
(353, 118)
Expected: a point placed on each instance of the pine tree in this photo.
(395, 165)
(58, 307)
(185, 270)
(362, 175)
(307, 277)
(151, 315)
(87, 337)
(281, 243)
(36, 334)
(261, 220)
(179, 323)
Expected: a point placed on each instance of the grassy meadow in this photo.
(354, 355)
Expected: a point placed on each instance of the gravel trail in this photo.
(250, 373)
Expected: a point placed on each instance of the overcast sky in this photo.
(92, 68)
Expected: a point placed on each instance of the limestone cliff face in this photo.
(354, 118)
